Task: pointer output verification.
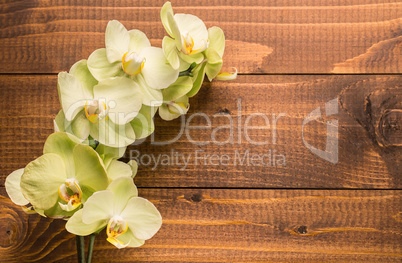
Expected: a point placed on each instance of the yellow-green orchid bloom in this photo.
(60, 180)
(189, 37)
(99, 109)
(175, 100)
(129, 219)
(129, 54)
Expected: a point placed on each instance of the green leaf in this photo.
(13, 187)
(142, 217)
(117, 41)
(41, 180)
(123, 96)
(101, 68)
(89, 169)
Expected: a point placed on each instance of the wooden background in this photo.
(292, 56)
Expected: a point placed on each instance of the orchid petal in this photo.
(72, 94)
(178, 89)
(138, 41)
(214, 64)
(227, 76)
(142, 217)
(167, 8)
(101, 68)
(198, 79)
(75, 225)
(62, 144)
(110, 134)
(41, 180)
(170, 51)
(123, 189)
(157, 72)
(13, 187)
(89, 169)
(130, 240)
(118, 169)
(124, 95)
(143, 124)
(134, 167)
(81, 72)
(196, 28)
(216, 40)
(99, 207)
(117, 41)
(150, 96)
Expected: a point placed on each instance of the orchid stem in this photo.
(91, 247)
(80, 249)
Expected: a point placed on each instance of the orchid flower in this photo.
(175, 99)
(102, 109)
(188, 37)
(129, 54)
(60, 180)
(129, 219)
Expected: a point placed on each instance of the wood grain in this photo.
(363, 161)
(337, 36)
(232, 226)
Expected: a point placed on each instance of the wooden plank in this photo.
(363, 159)
(232, 226)
(338, 36)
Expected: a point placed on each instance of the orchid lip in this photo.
(96, 110)
(132, 63)
(188, 44)
(71, 193)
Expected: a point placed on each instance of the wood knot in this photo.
(194, 197)
(389, 128)
(384, 111)
(13, 223)
(224, 112)
(301, 230)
